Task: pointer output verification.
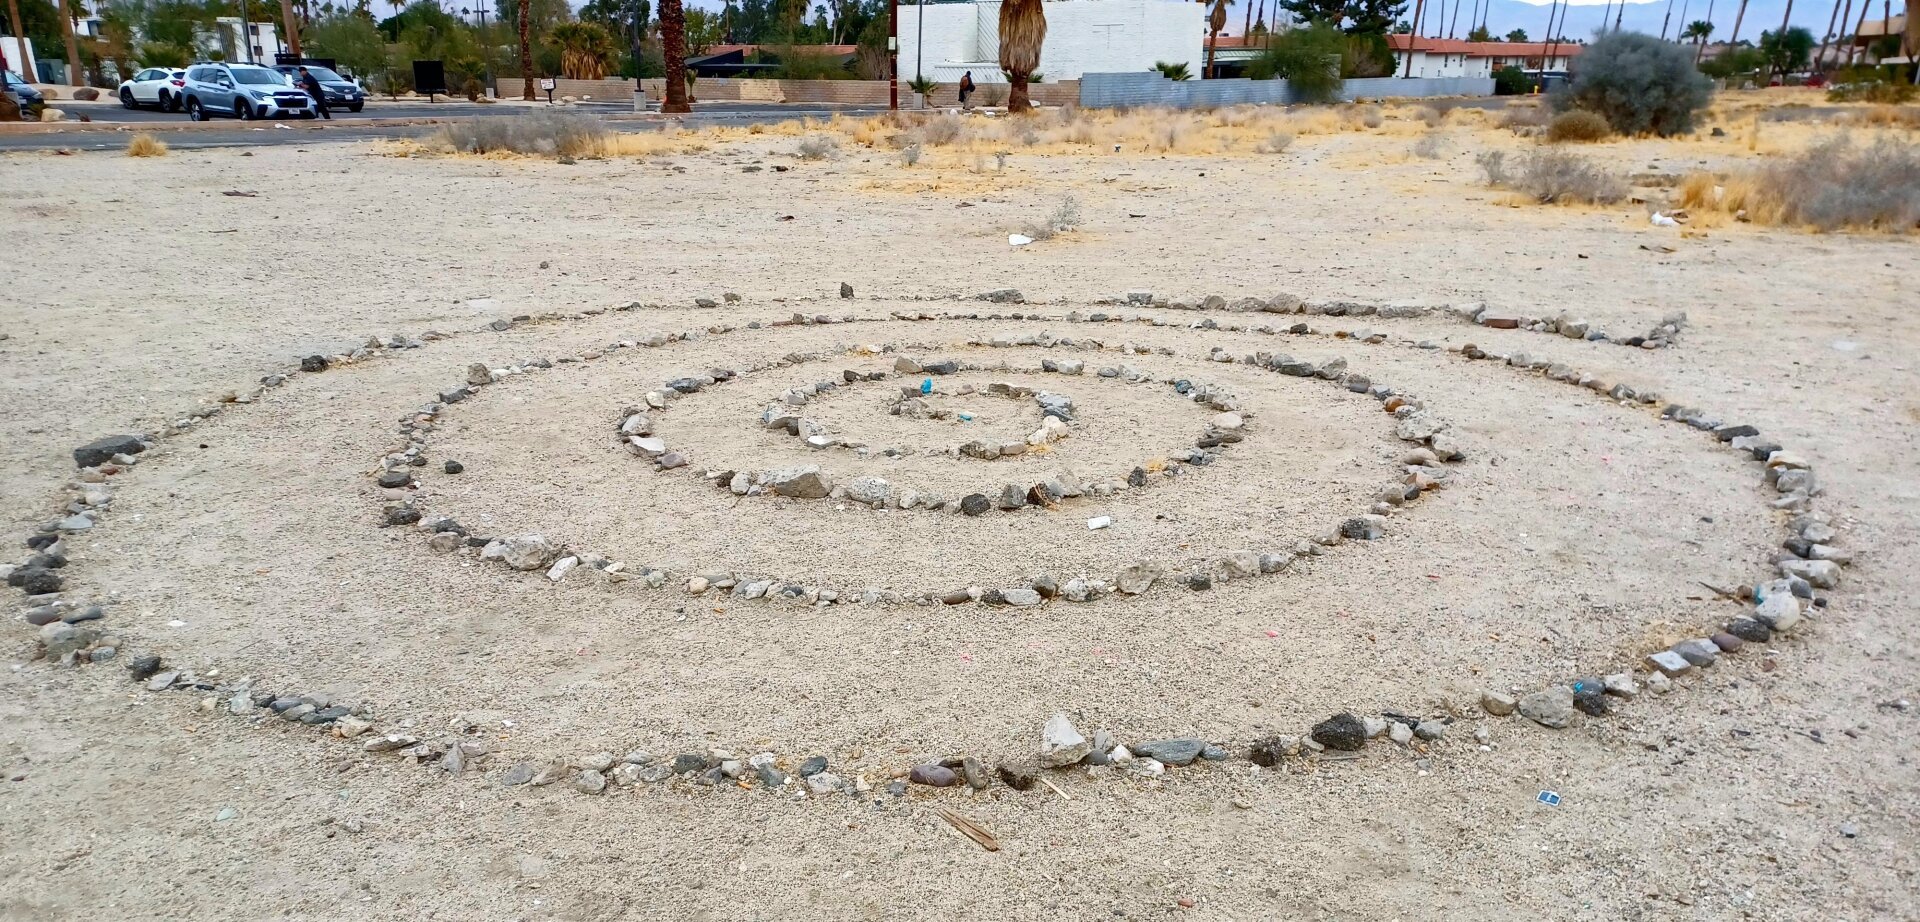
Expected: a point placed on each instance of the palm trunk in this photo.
(673, 45)
(74, 76)
(25, 68)
(1782, 37)
(1826, 41)
(1413, 38)
(293, 28)
(1017, 100)
(1737, 19)
(526, 51)
(1215, 40)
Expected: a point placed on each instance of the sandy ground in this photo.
(1574, 534)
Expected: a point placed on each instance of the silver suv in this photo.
(244, 91)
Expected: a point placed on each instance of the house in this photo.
(1874, 34)
(1446, 57)
(945, 40)
(241, 42)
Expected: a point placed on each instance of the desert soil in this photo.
(1575, 535)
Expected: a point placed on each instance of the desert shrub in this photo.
(539, 132)
(1307, 58)
(1430, 116)
(1367, 54)
(1523, 119)
(1907, 117)
(146, 145)
(1639, 84)
(1553, 176)
(1868, 84)
(1065, 217)
(1276, 143)
(910, 155)
(993, 95)
(1736, 62)
(1431, 146)
(940, 130)
(1577, 125)
(817, 147)
(1512, 81)
(1835, 184)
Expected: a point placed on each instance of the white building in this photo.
(1446, 57)
(1083, 36)
(242, 42)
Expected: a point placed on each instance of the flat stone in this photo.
(1019, 776)
(1749, 630)
(814, 765)
(1177, 751)
(1669, 663)
(824, 783)
(1821, 574)
(1699, 652)
(100, 451)
(1552, 708)
(933, 775)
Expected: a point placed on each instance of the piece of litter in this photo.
(1660, 220)
(1550, 798)
(926, 386)
(1845, 345)
(1272, 633)
(1098, 522)
(1018, 240)
(176, 623)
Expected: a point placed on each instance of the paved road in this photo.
(116, 122)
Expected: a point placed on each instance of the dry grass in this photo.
(537, 133)
(1553, 176)
(1579, 126)
(1234, 131)
(146, 145)
(1833, 185)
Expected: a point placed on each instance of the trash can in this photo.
(639, 97)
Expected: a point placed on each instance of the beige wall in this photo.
(839, 92)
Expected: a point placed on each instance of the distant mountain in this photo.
(1503, 16)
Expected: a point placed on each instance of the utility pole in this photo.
(919, 39)
(293, 28)
(1547, 50)
(893, 54)
(1664, 23)
(1413, 38)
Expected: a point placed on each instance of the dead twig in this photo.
(970, 829)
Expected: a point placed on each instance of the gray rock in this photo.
(814, 765)
(1552, 708)
(1430, 730)
(1669, 663)
(1497, 704)
(1699, 652)
(1060, 743)
(806, 482)
(1136, 578)
(1177, 751)
(520, 773)
(528, 552)
(974, 504)
(1821, 574)
(1020, 598)
(824, 783)
(590, 782)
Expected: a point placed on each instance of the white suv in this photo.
(244, 91)
(155, 86)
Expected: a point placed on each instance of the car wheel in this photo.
(195, 111)
(242, 111)
(169, 102)
(126, 99)
(356, 107)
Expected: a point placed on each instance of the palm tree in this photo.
(1698, 30)
(1175, 71)
(1216, 21)
(1023, 29)
(1736, 25)
(673, 46)
(526, 51)
(73, 47)
(584, 49)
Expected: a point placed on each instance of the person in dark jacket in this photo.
(311, 84)
(966, 88)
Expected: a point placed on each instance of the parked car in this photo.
(154, 86)
(22, 92)
(340, 91)
(244, 91)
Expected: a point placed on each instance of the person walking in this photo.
(311, 84)
(966, 89)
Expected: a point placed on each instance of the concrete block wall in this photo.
(1105, 91)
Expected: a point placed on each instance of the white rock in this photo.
(560, 568)
(1228, 422)
(1060, 743)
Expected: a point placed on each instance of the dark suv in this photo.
(340, 92)
(244, 91)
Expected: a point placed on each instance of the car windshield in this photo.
(15, 78)
(258, 76)
(325, 75)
